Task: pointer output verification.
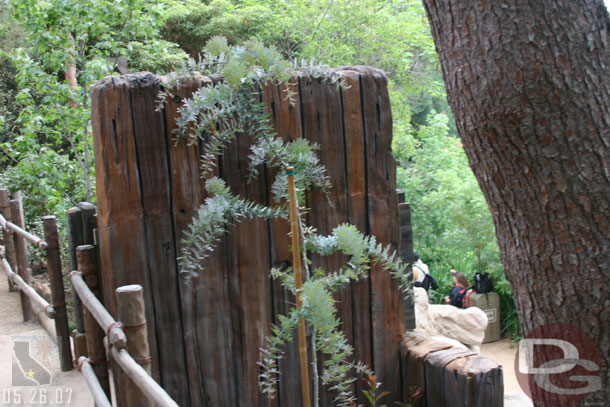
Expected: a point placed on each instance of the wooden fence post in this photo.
(80, 232)
(406, 253)
(131, 313)
(57, 291)
(21, 256)
(87, 265)
(7, 236)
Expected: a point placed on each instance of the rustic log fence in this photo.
(124, 342)
(14, 256)
(99, 329)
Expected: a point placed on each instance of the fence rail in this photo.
(105, 337)
(25, 287)
(14, 261)
(99, 396)
(35, 240)
(117, 339)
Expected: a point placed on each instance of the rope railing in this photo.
(35, 240)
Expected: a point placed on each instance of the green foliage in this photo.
(211, 222)
(219, 112)
(9, 109)
(216, 114)
(192, 23)
(158, 56)
(54, 114)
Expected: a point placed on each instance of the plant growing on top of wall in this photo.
(216, 114)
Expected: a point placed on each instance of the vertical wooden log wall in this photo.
(205, 333)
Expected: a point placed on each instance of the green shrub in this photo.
(157, 56)
(193, 23)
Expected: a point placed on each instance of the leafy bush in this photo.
(157, 56)
(193, 23)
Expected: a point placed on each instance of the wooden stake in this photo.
(131, 313)
(7, 239)
(75, 238)
(22, 259)
(296, 266)
(80, 232)
(58, 298)
(87, 265)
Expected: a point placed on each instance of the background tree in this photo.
(528, 84)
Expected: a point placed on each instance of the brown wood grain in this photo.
(322, 124)
(382, 203)
(86, 259)
(356, 199)
(149, 188)
(58, 298)
(186, 197)
(7, 237)
(152, 150)
(122, 248)
(21, 256)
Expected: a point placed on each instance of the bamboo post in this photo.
(296, 265)
(87, 265)
(21, 256)
(131, 313)
(7, 238)
(58, 298)
(75, 239)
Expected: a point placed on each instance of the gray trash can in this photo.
(490, 304)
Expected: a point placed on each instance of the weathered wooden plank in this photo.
(205, 300)
(96, 353)
(285, 116)
(186, 197)
(353, 134)
(131, 313)
(122, 249)
(152, 149)
(248, 273)
(57, 291)
(226, 310)
(386, 304)
(7, 236)
(322, 124)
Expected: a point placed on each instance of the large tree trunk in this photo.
(528, 83)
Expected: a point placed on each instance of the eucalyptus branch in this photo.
(211, 222)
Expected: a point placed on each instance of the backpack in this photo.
(459, 299)
(428, 281)
(482, 283)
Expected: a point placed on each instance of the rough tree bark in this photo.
(527, 81)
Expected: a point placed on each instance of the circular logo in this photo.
(558, 365)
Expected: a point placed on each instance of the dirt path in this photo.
(31, 375)
(504, 353)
